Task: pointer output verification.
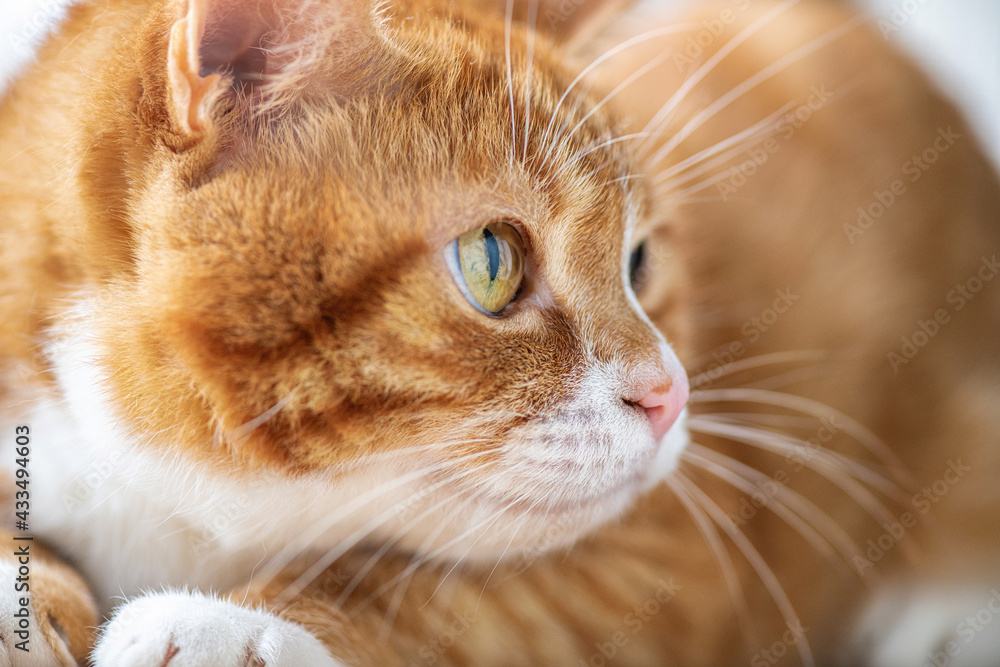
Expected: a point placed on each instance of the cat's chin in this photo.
(522, 536)
(496, 530)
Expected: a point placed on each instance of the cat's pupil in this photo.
(636, 264)
(493, 252)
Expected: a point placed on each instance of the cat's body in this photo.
(215, 450)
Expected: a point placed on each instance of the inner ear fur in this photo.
(262, 54)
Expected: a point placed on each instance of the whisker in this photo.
(362, 502)
(604, 144)
(739, 91)
(781, 443)
(397, 598)
(788, 505)
(513, 535)
(610, 96)
(389, 543)
(738, 142)
(532, 22)
(684, 196)
(781, 423)
(852, 427)
(722, 557)
(753, 557)
(418, 562)
(508, 28)
(830, 465)
(665, 112)
(482, 534)
(244, 430)
(638, 39)
(759, 361)
(345, 545)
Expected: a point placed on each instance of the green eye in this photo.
(491, 263)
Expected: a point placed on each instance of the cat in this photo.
(337, 333)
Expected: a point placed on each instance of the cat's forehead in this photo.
(447, 136)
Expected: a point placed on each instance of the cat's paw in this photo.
(29, 636)
(932, 626)
(195, 630)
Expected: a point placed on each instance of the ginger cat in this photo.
(336, 333)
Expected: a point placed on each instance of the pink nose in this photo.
(664, 404)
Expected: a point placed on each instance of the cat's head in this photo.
(355, 250)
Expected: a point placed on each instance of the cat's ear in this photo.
(261, 52)
(570, 22)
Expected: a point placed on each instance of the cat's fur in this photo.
(247, 370)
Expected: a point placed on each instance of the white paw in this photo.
(933, 627)
(20, 630)
(195, 630)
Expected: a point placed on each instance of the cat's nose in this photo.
(664, 404)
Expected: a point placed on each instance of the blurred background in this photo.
(958, 42)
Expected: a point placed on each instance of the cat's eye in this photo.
(489, 266)
(637, 269)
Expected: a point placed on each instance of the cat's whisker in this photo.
(240, 432)
(362, 502)
(402, 531)
(668, 189)
(522, 497)
(725, 562)
(753, 557)
(604, 144)
(529, 70)
(503, 554)
(483, 528)
(782, 423)
(790, 377)
(684, 196)
(607, 98)
(355, 538)
(321, 564)
(662, 117)
(804, 405)
(830, 465)
(780, 443)
(790, 506)
(426, 557)
(752, 82)
(634, 41)
(403, 584)
(622, 179)
(731, 147)
(759, 361)
(508, 28)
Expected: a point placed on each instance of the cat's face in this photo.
(384, 285)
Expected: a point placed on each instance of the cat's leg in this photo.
(47, 614)
(191, 629)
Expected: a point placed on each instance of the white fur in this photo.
(133, 518)
(200, 630)
(930, 626)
